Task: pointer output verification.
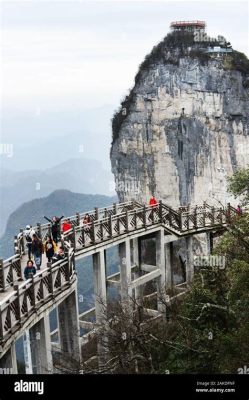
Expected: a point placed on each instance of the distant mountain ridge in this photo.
(60, 202)
(77, 174)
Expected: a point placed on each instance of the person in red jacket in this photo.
(66, 226)
(153, 201)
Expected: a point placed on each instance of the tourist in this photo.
(50, 248)
(66, 225)
(55, 221)
(28, 234)
(37, 251)
(153, 201)
(60, 255)
(86, 222)
(29, 270)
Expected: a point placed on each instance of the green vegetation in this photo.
(207, 331)
(237, 61)
(212, 324)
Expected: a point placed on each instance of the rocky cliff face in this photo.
(184, 128)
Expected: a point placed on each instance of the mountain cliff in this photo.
(183, 128)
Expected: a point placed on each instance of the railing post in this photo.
(50, 278)
(212, 215)
(118, 225)
(135, 219)
(74, 237)
(195, 217)
(204, 216)
(67, 274)
(78, 219)
(126, 221)
(115, 208)
(49, 230)
(22, 242)
(160, 210)
(96, 212)
(11, 274)
(1, 324)
(33, 291)
(2, 277)
(144, 215)
(110, 225)
(16, 247)
(92, 232)
(39, 230)
(16, 288)
(180, 220)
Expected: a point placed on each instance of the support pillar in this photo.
(125, 272)
(27, 353)
(69, 331)
(8, 364)
(209, 242)
(138, 291)
(160, 263)
(168, 265)
(189, 260)
(100, 293)
(41, 351)
(99, 283)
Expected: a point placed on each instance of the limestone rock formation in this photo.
(184, 127)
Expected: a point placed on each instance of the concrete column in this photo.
(189, 260)
(69, 331)
(8, 364)
(41, 352)
(160, 263)
(99, 283)
(125, 271)
(209, 242)
(168, 265)
(27, 353)
(138, 291)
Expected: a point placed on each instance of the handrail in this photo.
(26, 297)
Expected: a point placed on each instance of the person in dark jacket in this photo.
(37, 250)
(59, 256)
(50, 248)
(29, 270)
(55, 221)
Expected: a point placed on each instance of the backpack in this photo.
(28, 238)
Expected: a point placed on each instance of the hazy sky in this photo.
(66, 65)
(77, 54)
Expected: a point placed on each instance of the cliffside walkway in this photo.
(25, 305)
